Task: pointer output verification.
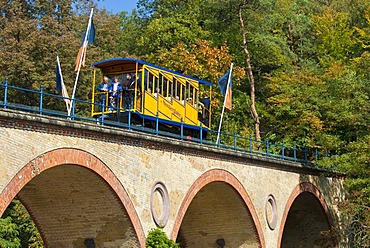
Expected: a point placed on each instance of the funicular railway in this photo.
(152, 100)
(150, 93)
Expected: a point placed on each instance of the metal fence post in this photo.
(182, 129)
(305, 154)
(129, 118)
(295, 152)
(201, 133)
(73, 109)
(267, 147)
(103, 111)
(235, 137)
(282, 150)
(6, 92)
(156, 124)
(316, 155)
(250, 143)
(41, 99)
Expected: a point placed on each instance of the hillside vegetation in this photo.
(301, 75)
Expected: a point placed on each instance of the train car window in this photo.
(196, 97)
(160, 86)
(138, 80)
(189, 93)
(177, 86)
(146, 82)
(153, 81)
(183, 93)
(165, 87)
(170, 90)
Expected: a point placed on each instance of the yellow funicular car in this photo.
(150, 95)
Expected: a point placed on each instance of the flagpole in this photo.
(223, 107)
(62, 85)
(81, 57)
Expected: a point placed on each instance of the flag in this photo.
(225, 84)
(222, 82)
(90, 38)
(60, 86)
(58, 78)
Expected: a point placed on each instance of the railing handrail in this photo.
(265, 147)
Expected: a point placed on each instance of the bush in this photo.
(159, 239)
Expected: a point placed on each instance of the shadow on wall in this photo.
(311, 220)
(218, 217)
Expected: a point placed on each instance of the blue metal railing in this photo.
(230, 141)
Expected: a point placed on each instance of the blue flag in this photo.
(91, 37)
(58, 78)
(223, 83)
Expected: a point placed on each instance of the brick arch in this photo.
(216, 175)
(299, 189)
(77, 157)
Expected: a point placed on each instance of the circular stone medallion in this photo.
(160, 204)
(271, 212)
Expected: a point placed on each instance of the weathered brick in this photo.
(121, 166)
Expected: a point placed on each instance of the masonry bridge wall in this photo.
(86, 183)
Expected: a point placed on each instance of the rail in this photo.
(34, 101)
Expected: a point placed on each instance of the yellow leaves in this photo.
(201, 60)
(277, 101)
(312, 121)
(364, 34)
(336, 69)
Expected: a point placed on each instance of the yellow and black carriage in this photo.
(151, 96)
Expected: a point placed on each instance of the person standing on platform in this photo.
(103, 88)
(115, 90)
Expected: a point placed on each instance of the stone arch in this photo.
(212, 176)
(80, 158)
(308, 188)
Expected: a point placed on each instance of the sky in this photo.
(116, 6)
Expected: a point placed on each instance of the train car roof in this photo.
(117, 61)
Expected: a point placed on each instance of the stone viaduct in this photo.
(82, 182)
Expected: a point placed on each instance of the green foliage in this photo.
(207, 62)
(158, 239)
(355, 162)
(335, 36)
(310, 59)
(293, 102)
(9, 233)
(171, 22)
(45, 29)
(26, 231)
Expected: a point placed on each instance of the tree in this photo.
(18, 228)
(250, 74)
(293, 106)
(33, 34)
(355, 162)
(9, 233)
(335, 36)
(166, 24)
(158, 239)
(204, 61)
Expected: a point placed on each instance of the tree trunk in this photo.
(250, 75)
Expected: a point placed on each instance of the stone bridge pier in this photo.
(85, 183)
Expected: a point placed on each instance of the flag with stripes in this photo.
(60, 86)
(86, 40)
